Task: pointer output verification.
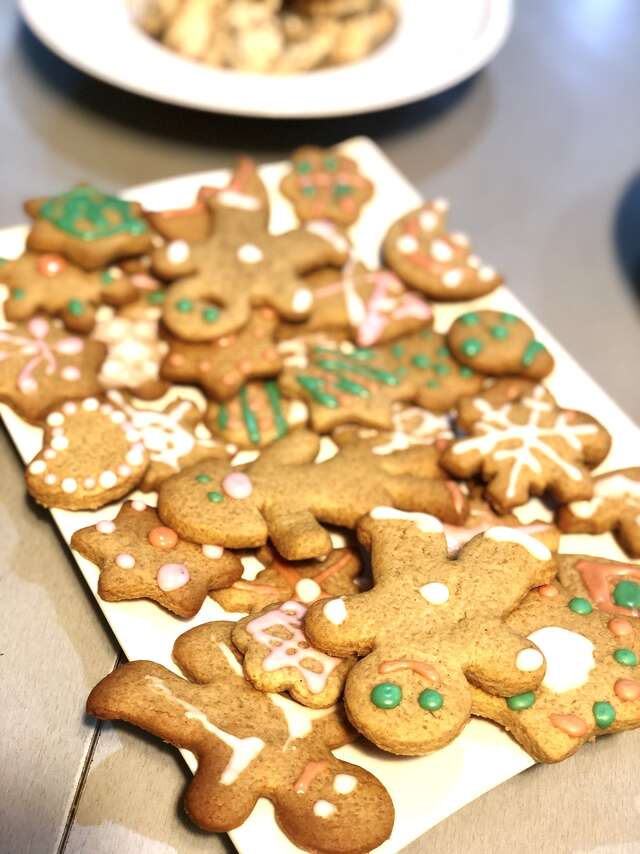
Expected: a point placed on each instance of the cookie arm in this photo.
(296, 448)
(307, 251)
(501, 661)
(344, 625)
(295, 532)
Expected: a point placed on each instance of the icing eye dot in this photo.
(471, 347)
(603, 714)
(105, 527)
(528, 660)
(421, 361)
(184, 305)
(344, 784)
(307, 590)
(430, 700)
(508, 318)
(172, 576)
(215, 497)
(386, 695)
(210, 315)
(303, 167)
(466, 372)
(521, 701)
(203, 478)
(470, 319)
(626, 657)
(162, 537)
(435, 592)
(75, 307)
(499, 332)
(580, 606)
(626, 594)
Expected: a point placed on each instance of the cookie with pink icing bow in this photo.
(368, 306)
(591, 685)
(303, 581)
(140, 558)
(430, 628)
(239, 266)
(427, 256)
(615, 506)
(42, 365)
(52, 285)
(285, 496)
(250, 745)
(522, 443)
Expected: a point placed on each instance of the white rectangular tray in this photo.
(427, 789)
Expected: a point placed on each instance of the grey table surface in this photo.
(540, 156)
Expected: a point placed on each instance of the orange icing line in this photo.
(311, 771)
(329, 570)
(420, 667)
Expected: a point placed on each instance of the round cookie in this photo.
(439, 263)
(499, 344)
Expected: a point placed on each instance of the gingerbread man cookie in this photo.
(140, 558)
(174, 437)
(284, 495)
(41, 365)
(221, 367)
(91, 455)
(615, 506)
(250, 745)
(430, 628)
(88, 227)
(239, 266)
(525, 445)
(324, 184)
(256, 416)
(609, 585)
(49, 283)
(369, 306)
(411, 425)
(499, 344)
(439, 263)
(591, 685)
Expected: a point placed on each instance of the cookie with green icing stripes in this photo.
(49, 283)
(592, 682)
(499, 344)
(256, 416)
(88, 227)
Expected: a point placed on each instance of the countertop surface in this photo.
(539, 155)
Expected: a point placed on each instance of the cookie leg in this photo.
(296, 534)
(78, 316)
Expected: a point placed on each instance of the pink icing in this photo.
(105, 527)
(69, 346)
(172, 576)
(237, 485)
(41, 352)
(138, 505)
(70, 373)
(38, 327)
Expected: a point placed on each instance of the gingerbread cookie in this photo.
(284, 495)
(499, 344)
(91, 455)
(278, 657)
(49, 283)
(609, 585)
(591, 685)
(256, 416)
(615, 506)
(140, 558)
(41, 365)
(250, 745)
(174, 437)
(526, 445)
(221, 367)
(324, 184)
(282, 580)
(439, 263)
(193, 224)
(343, 384)
(411, 425)
(88, 227)
(430, 628)
(239, 266)
(368, 306)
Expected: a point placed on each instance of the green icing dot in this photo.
(421, 361)
(3, 261)
(521, 701)
(604, 714)
(430, 700)
(471, 347)
(75, 307)
(330, 164)
(466, 372)
(18, 293)
(499, 332)
(580, 606)
(155, 297)
(626, 594)
(203, 478)
(184, 305)
(106, 277)
(88, 214)
(531, 351)
(432, 384)
(397, 350)
(626, 657)
(309, 191)
(386, 695)
(303, 167)
(216, 497)
(441, 369)
(508, 318)
(210, 315)
(341, 190)
(469, 319)
(443, 352)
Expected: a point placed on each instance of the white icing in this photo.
(428, 220)
(569, 657)
(302, 300)
(234, 199)
(440, 204)
(425, 523)
(212, 552)
(249, 253)
(528, 660)
(344, 784)
(435, 592)
(616, 485)
(412, 425)
(178, 251)
(335, 611)
(107, 479)
(307, 590)
(69, 485)
(231, 660)
(502, 534)
(38, 467)
(59, 443)
(323, 809)
(299, 719)
(486, 273)
(55, 419)
(441, 251)
(326, 229)
(407, 244)
(90, 404)
(243, 750)
(452, 278)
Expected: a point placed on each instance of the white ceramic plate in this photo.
(436, 45)
(426, 789)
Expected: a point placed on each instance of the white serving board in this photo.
(425, 790)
